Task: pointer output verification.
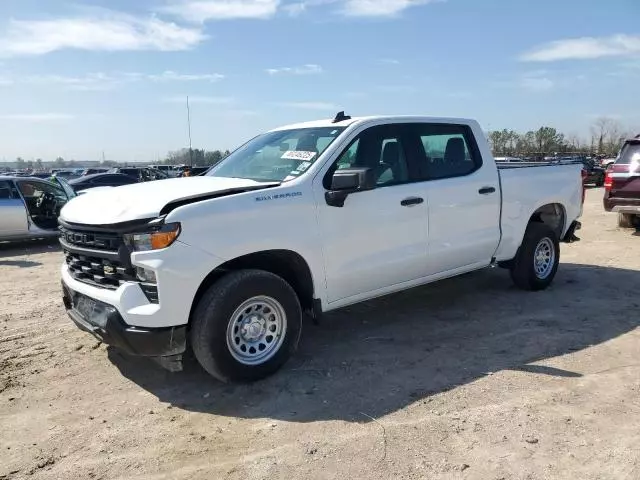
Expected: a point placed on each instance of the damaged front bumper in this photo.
(103, 321)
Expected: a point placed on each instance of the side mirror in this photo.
(347, 181)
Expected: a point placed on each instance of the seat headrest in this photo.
(307, 143)
(455, 151)
(391, 153)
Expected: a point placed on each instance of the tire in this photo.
(526, 272)
(625, 220)
(253, 299)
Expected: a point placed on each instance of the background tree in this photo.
(548, 140)
(20, 163)
(608, 135)
(39, 164)
(59, 162)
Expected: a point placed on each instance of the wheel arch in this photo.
(287, 264)
(552, 214)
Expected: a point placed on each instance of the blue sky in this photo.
(78, 78)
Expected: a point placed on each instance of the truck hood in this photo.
(146, 200)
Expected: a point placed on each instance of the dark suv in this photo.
(622, 185)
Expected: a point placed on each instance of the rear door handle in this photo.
(411, 201)
(486, 190)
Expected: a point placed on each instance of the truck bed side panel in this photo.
(525, 190)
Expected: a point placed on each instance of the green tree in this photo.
(548, 140)
(39, 164)
(211, 158)
(59, 162)
(20, 163)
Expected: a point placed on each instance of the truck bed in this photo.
(525, 187)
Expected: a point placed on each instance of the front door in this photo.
(13, 215)
(379, 238)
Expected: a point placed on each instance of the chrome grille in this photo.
(98, 271)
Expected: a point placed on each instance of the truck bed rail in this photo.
(507, 165)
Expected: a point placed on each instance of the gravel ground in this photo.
(465, 379)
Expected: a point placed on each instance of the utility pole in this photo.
(189, 128)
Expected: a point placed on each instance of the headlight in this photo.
(155, 239)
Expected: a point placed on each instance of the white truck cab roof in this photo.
(375, 119)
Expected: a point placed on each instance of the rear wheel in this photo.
(246, 326)
(626, 220)
(536, 263)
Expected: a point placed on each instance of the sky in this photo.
(81, 78)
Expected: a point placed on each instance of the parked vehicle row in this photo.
(305, 218)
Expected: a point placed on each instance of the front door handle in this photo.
(486, 190)
(411, 201)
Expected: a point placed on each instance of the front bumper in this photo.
(147, 342)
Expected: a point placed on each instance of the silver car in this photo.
(29, 207)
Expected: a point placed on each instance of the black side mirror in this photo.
(347, 181)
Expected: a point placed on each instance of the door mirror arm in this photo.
(347, 181)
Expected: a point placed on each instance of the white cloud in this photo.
(91, 82)
(107, 32)
(309, 69)
(295, 9)
(379, 8)
(36, 117)
(584, 48)
(311, 105)
(388, 61)
(203, 10)
(169, 75)
(358, 8)
(199, 99)
(100, 81)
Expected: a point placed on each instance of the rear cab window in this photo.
(449, 151)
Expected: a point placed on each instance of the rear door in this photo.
(13, 214)
(463, 197)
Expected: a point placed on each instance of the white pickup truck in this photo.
(305, 218)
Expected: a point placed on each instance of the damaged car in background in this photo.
(29, 207)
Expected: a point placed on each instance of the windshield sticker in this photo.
(302, 167)
(278, 196)
(289, 177)
(295, 155)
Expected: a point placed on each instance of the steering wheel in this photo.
(45, 197)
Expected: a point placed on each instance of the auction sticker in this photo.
(295, 155)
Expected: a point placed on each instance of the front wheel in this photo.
(536, 263)
(246, 326)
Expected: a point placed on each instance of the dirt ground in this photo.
(464, 379)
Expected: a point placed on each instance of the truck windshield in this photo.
(278, 156)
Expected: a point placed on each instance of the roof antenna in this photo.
(341, 117)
